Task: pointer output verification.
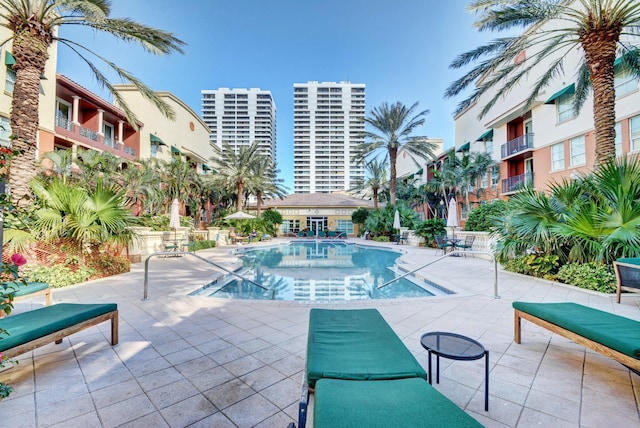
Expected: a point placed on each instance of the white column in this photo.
(76, 108)
(120, 131)
(100, 122)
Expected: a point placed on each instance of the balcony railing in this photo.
(517, 182)
(517, 145)
(129, 150)
(64, 123)
(87, 133)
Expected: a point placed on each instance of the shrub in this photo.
(381, 239)
(204, 244)
(538, 265)
(481, 218)
(108, 265)
(590, 276)
(430, 228)
(58, 275)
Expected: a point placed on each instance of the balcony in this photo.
(517, 145)
(86, 137)
(517, 182)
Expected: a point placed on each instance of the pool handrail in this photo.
(177, 253)
(454, 253)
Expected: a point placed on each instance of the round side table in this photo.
(456, 347)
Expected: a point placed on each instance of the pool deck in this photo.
(206, 362)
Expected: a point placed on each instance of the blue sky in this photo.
(400, 49)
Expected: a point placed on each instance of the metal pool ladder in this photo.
(175, 253)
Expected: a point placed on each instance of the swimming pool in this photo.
(319, 271)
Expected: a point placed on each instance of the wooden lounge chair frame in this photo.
(61, 334)
(48, 300)
(630, 362)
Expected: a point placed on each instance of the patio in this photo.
(194, 361)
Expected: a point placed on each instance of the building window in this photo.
(625, 82)
(557, 157)
(344, 226)
(153, 150)
(618, 138)
(63, 114)
(5, 131)
(484, 180)
(488, 146)
(634, 126)
(495, 176)
(576, 147)
(565, 108)
(10, 80)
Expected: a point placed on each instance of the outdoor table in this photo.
(454, 243)
(456, 347)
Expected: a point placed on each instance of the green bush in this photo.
(541, 266)
(482, 217)
(160, 223)
(429, 228)
(204, 244)
(108, 265)
(590, 276)
(58, 275)
(381, 239)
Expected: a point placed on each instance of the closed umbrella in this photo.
(174, 217)
(396, 223)
(452, 217)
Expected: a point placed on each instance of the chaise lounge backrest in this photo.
(356, 344)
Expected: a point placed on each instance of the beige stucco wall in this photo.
(187, 132)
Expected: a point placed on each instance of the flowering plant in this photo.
(11, 272)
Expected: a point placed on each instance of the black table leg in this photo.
(437, 368)
(486, 381)
(429, 375)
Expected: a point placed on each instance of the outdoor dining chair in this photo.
(442, 244)
(467, 244)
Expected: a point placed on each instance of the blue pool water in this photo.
(319, 271)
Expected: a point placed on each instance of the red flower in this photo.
(18, 259)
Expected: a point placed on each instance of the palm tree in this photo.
(594, 28)
(393, 125)
(264, 182)
(376, 172)
(235, 169)
(35, 27)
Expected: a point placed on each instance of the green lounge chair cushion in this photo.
(31, 287)
(613, 331)
(27, 326)
(356, 344)
(385, 403)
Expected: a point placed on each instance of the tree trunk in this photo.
(31, 55)
(258, 203)
(393, 154)
(600, 53)
(375, 198)
(239, 201)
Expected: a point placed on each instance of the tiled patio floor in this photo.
(203, 362)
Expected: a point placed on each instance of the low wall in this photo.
(149, 242)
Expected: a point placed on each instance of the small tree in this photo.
(430, 228)
(482, 218)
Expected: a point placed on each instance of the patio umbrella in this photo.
(174, 217)
(396, 223)
(239, 216)
(452, 217)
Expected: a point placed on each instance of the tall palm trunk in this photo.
(393, 155)
(30, 51)
(375, 198)
(600, 53)
(240, 192)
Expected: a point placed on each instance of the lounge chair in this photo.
(409, 402)
(332, 234)
(322, 234)
(30, 330)
(28, 290)
(355, 351)
(302, 234)
(403, 238)
(627, 275)
(609, 334)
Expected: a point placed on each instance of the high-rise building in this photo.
(328, 121)
(240, 117)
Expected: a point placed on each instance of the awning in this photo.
(567, 90)
(157, 140)
(9, 59)
(206, 167)
(175, 151)
(464, 148)
(487, 136)
(420, 171)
